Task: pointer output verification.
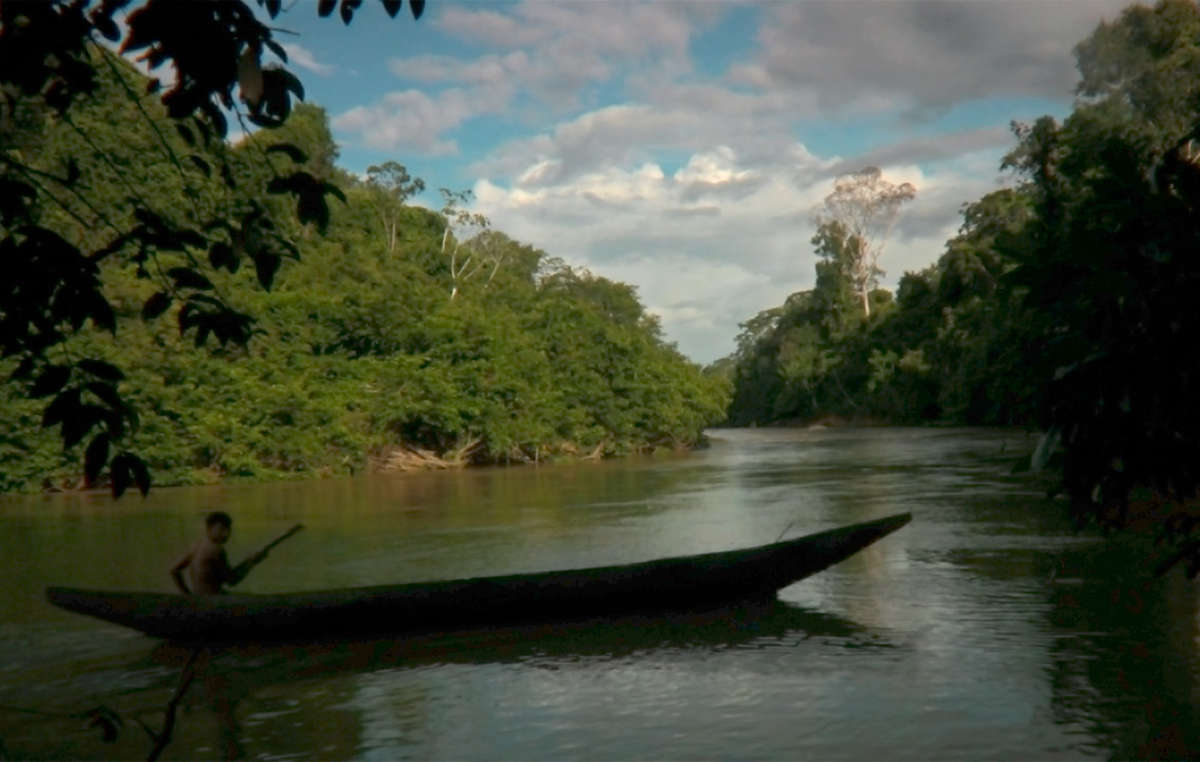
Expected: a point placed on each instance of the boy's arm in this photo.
(177, 572)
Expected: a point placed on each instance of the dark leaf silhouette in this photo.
(53, 379)
(348, 9)
(266, 264)
(292, 152)
(278, 50)
(81, 421)
(221, 255)
(141, 474)
(156, 305)
(122, 474)
(186, 277)
(95, 457)
(101, 370)
(200, 164)
(65, 405)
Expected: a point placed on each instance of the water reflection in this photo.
(365, 699)
(984, 629)
(1124, 659)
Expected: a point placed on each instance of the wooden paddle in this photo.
(241, 570)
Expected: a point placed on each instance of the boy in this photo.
(210, 568)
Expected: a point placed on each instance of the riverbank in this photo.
(401, 458)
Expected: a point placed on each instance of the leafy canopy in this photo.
(56, 54)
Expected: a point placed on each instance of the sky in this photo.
(684, 147)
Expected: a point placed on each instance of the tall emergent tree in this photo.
(55, 53)
(462, 238)
(865, 206)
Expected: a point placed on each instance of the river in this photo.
(986, 629)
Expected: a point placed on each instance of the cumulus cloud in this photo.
(623, 134)
(696, 186)
(415, 120)
(556, 52)
(725, 235)
(703, 261)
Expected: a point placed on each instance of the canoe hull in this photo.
(668, 584)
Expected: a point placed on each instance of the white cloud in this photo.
(724, 231)
(305, 59)
(724, 236)
(414, 120)
(552, 55)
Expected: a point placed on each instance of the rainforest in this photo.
(397, 339)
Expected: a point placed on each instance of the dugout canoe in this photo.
(669, 584)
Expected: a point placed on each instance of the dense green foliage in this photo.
(54, 56)
(1066, 303)
(1111, 267)
(358, 350)
(949, 346)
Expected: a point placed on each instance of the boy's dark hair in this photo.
(219, 517)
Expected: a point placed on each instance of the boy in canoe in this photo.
(208, 563)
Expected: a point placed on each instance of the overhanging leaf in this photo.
(348, 9)
(101, 369)
(222, 255)
(293, 153)
(121, 474)
(108, 394)
(156, 305)
(95, 457)
(266, 264)
(200, 164)
(77, 426)
(53, 378)
(64, 405)
(141, 474)
(185, 277)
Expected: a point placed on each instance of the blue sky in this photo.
(683, 147)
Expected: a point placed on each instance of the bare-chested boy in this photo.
(209, 566)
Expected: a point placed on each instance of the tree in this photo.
(1111, 275)
(51, 57)
(461, 238)
(836, 290)
(391, 186)
(866, 206)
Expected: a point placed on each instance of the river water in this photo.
(986, 629)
